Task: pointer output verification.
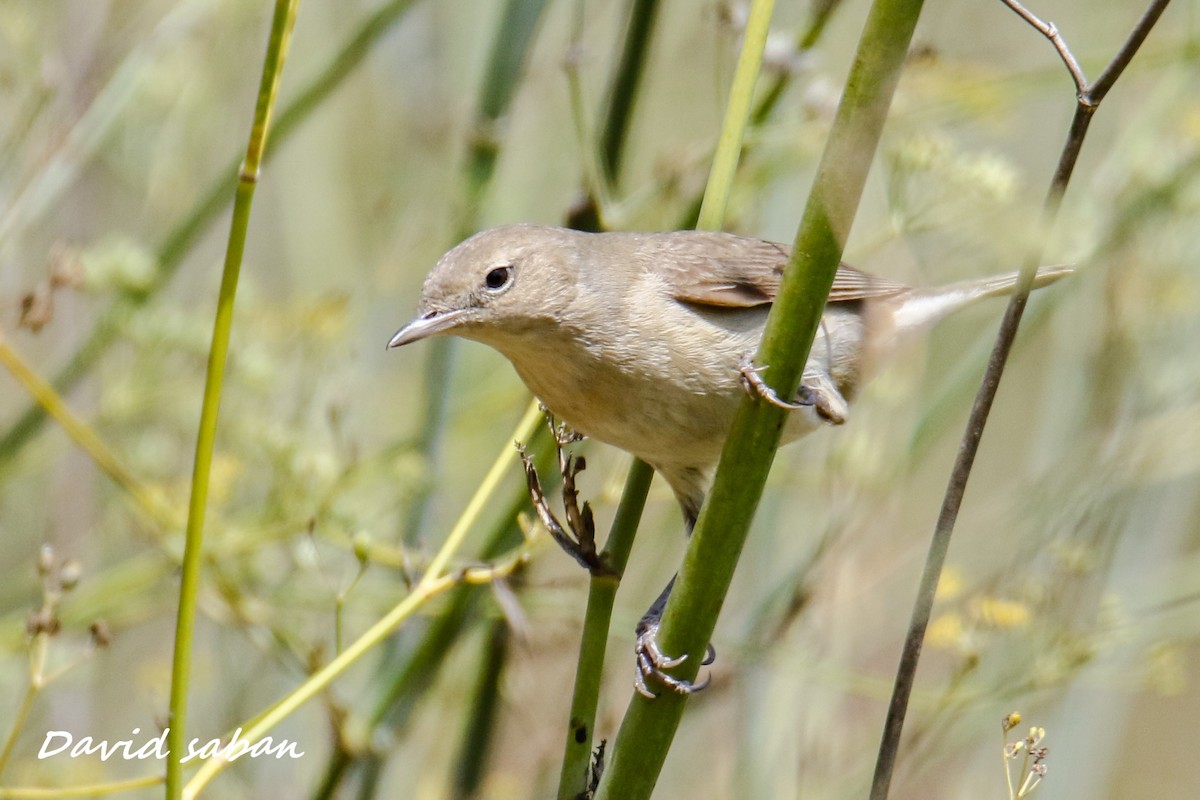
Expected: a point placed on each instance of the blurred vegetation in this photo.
(1075, 572)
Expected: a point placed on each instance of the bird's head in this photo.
(499, 283)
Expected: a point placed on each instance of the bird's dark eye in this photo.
(498, 278)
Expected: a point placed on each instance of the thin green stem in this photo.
(623, 94)
(280, 37)
(179, 242)
(31, 692)
(151, 505)
(432, 583)
(506, 64)
(575, 773)
(691, 613)
(818, 17)
(737, 114)
(602, 594)
(83, 790)
(820, 13)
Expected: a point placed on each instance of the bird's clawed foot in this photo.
(816, 391)
(580, 542)
(652, 664)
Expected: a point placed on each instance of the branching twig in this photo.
(1088, 99)
(1050, 31)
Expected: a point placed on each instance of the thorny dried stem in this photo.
(596, 769)
(578, 537)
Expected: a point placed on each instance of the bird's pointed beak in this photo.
(426, 325)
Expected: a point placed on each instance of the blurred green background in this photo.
(1073, 579)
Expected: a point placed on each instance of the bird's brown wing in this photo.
(726, 271)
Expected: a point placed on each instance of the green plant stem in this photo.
(737, 114)
(602, 594)
(434, 582)
(282, 23)
(506, 64)
(151, 505)
(575, 773)
(691, 613)
(479, 730)
(179, 242)
(819, 15)
(31, 692)
(83, 790)
(623, 93)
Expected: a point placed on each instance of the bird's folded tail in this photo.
(921, 308)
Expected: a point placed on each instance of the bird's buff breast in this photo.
(653, 418)
(673, 404)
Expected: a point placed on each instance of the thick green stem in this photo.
(277, 47)
(575, 774)
(691, 613)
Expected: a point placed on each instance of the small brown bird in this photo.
(643, 341)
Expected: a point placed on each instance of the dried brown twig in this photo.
(580, 541)
(1088, 98)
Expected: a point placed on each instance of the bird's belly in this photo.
(656, 419)
(659, 420)
(671, 404)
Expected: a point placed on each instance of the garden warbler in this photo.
(643, 340)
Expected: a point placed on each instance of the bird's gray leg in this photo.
(652, 662)
(816, 391)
